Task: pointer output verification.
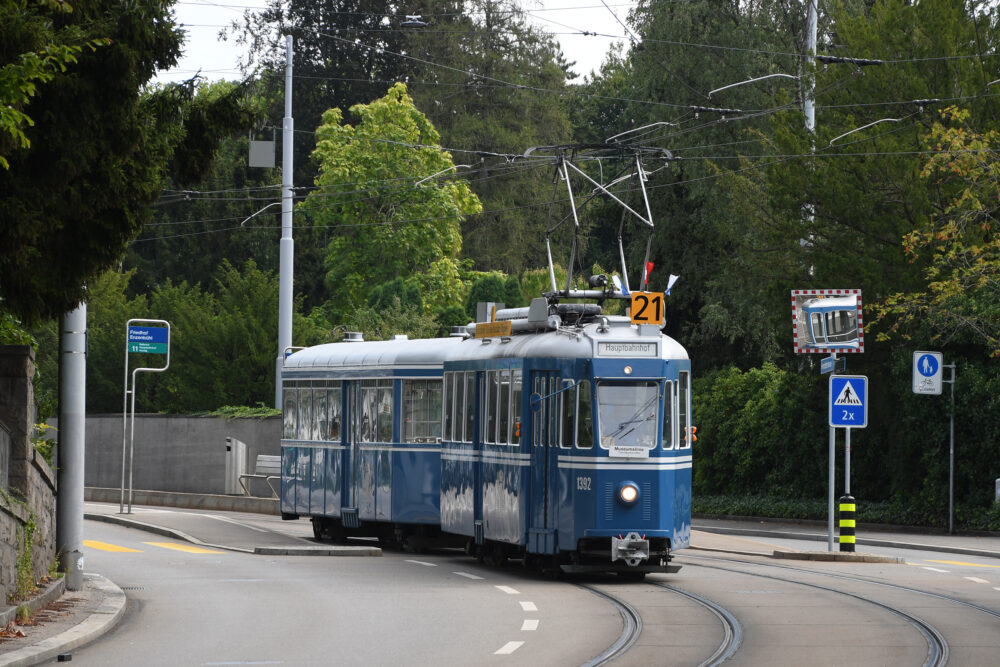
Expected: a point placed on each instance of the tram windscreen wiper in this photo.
(635, 419)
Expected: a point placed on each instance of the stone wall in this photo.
(30, 496)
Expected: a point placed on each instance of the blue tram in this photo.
(553, 434)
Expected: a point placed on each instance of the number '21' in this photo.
(647, 308)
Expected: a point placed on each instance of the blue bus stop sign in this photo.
(849, 401)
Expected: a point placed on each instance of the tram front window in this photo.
(628, 413)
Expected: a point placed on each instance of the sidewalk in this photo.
(75, 618)
(983, 545)
(62, 621)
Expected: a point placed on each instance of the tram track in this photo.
(632, 626)
(938, 651)
(732, 629)
(873, 582)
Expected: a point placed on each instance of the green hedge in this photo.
(891, 513)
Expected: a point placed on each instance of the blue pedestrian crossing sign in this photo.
(849, 401)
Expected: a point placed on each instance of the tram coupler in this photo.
(633, 549)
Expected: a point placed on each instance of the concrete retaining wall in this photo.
(175, 452)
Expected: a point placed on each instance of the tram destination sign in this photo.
(148, 340)
(626, 349)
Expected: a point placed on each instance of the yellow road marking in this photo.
(955, 562)
(104, 546)
(187, 548)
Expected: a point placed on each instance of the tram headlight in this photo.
(628, 493)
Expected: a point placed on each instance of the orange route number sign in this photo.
(647, 308)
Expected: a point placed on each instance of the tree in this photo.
(100, 145)
(683, 51)
(961, 298)
(31, 53)
(494, 85)
(190, 232)
(222, 341)
(388, 192)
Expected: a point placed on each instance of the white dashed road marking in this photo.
(507, 589)
(528, 606)
(420, 562)
(934, 569)
(977, 580)
(509, 648)
(529, 625)
(467, 575)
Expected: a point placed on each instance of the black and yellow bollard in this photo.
(847, 524)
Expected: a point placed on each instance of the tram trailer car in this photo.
(566, 442)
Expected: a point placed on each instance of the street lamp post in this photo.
(287, 245)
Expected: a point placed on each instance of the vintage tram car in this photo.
(551, 433)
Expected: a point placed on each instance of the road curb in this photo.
(96, 624)
(318, 550)
(838, 556)
(865, 541)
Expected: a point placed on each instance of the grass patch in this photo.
(259, 411)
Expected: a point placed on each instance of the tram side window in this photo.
(569, 399)
(503, 408)
(333, 424)
(457, 408)
(684, 408)
(515, 407)
(289, 412)
(818, 333)
(585, 417)
(384, 422)
(367, 407)
(304, 431)
(470, 403)
(448, 413)
(538, 416)
(321, 413)
(489, 407)
(554, 411)
(422, 410)
(668, 415)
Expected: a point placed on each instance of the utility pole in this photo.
(287, 245)
(72, 429)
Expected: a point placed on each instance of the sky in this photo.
(566, 19)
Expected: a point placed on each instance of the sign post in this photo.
(928, 377)
(848, 409)
(828, 321)
(140, 338)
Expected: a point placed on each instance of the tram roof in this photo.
(434, 352)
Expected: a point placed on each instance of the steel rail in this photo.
(937, 647)
(632, 626)
(733, 631)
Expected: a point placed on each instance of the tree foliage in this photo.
(388, 191)
(223, 341)
(78, 188)
(961, 298)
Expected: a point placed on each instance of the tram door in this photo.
(544, 449)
